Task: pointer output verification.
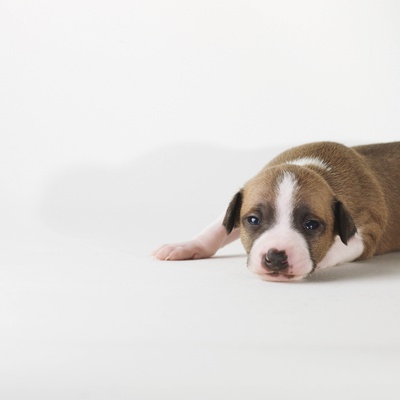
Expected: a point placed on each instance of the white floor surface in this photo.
(85, 313)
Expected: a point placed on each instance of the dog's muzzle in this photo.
(276, 260)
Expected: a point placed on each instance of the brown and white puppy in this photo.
(311, 207)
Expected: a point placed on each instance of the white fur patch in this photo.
(340, 253)
(315, 161)
(284, 201)
(283, 237)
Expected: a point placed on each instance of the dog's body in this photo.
(311, 207)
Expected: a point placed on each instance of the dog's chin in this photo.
(280, 277)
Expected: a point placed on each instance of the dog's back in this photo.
(384, 160)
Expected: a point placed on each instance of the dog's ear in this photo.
(232, 216)
(344, 224)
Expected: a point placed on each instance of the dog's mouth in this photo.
(289, 276)
(280, 276)
(289, 273)
(284, 275)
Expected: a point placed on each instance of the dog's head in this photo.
(288, 218)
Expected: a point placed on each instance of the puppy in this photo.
(311, 207)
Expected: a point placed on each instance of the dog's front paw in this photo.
(190, 250)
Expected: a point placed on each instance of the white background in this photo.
(124, 124)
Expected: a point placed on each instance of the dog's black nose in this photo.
(276, 260)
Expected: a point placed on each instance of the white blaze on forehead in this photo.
(315, 161)
(284, 201)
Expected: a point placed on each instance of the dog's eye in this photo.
(252, 220)
(311, 224)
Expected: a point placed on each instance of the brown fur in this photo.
(362, 188)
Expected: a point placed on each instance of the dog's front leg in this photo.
(203, 245)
